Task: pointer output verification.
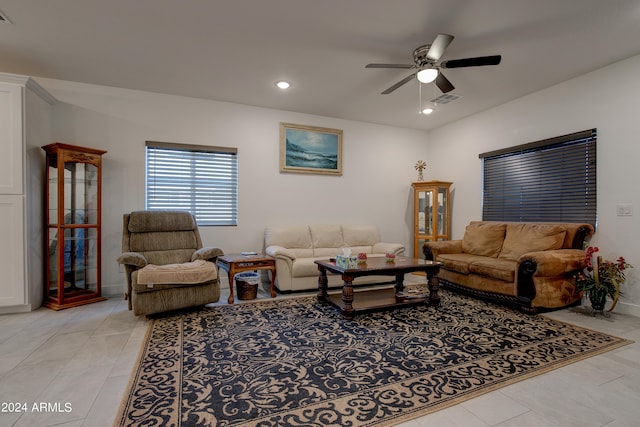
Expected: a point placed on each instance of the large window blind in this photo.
(200, 179)
(550, 180)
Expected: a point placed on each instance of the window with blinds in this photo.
(200, 179)
(551, 180)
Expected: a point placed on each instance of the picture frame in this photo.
(310, 149)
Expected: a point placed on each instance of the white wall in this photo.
(607, 99)
(375, 187)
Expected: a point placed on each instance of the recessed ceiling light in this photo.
(427, 110)
(283, 85)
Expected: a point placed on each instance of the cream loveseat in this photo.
(527, 264)
(296, 247)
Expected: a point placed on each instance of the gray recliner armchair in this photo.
(166, 266)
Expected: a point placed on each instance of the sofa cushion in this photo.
(355, 250)
(299, 253)
(458, 262)
(326, 236)
(360, 235)
(199, 271)
(497, 268)
(163, 241)
(176, 256)
(288, 237)
(305, 267)
(158, 220)
(525, 237)
(141, 288)
(484, 238)
(326, 252)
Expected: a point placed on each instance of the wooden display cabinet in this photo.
(73, 212)
(432, 216)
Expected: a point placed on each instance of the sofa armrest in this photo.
(383, 248)
(431, 250)
(207, 253)
(547, 264)
(280, 252)
(551, 263)
(134, 259)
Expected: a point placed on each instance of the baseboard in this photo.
(626, 308)
(113, 290)
(16, 309)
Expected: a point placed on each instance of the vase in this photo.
(598, 300)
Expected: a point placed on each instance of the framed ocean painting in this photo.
(310, 149)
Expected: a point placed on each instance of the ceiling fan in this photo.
(425, 62)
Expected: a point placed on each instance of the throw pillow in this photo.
(483, 238)
(523, 238)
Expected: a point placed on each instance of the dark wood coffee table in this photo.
(351, 303)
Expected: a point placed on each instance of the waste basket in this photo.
(247, 285)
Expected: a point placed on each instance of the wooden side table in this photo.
(237, 263)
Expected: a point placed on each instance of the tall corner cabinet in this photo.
(431, 213)
(25, 124)
(73, 204)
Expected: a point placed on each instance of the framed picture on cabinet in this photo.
(310, 149)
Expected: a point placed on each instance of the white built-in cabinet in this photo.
(25, 125)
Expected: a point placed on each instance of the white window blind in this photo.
(200, 179)
(553, 180)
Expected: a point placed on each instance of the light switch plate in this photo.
(624, 209)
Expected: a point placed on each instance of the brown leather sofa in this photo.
(530, 265)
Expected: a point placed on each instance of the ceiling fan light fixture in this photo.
(427, 75)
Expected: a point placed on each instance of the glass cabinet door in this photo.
(425, 207)
(443, 219)
(73, 223)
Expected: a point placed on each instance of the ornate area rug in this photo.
(295, 362)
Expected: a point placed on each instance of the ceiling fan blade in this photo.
(438, 46)
(472, 62)
(443, 83)
(400, 83)
(404, 66)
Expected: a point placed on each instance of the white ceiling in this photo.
(234, 50)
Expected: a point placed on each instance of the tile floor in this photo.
(71, 368)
